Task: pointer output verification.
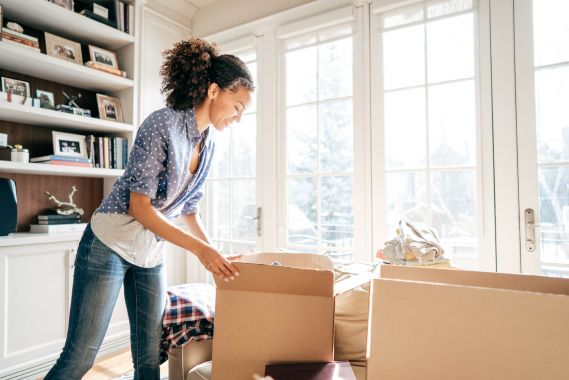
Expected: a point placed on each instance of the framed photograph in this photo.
(103, 57)
(67, 4)
(69, 144)
(109, 108)
(62, 48)
(46, 99)
(16, 87)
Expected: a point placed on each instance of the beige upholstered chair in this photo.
(182, 360)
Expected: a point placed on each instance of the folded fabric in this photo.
(417, 242)
(188, 316)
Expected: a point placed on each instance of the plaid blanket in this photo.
(188, 316)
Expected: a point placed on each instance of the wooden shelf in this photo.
(41, 117)
(63, 170)
(26, 61)
(43, 15)
(23, 238)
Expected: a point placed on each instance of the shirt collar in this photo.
(192, 128)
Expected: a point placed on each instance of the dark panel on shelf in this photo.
(33, 201)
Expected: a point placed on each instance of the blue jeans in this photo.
(99, 274)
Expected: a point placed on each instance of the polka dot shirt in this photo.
(159, 165)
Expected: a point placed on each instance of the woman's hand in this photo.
(218, 265)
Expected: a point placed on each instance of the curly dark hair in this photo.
(192, 65)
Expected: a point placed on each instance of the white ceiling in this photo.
(201, 3)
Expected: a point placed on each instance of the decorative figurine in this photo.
(66, 208)
(15, 27)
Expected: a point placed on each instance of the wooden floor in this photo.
(114, 365)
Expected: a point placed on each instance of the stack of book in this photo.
(107, 69)
(54, 159)
(20, 39)
(56, 223)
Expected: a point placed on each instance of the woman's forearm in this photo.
(194, 223)
(142, 210)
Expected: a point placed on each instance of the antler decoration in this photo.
(66, 208)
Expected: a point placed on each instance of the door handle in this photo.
(529, 215)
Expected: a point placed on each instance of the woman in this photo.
(167, 167)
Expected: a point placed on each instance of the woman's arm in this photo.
(195, 225)
(142, 210)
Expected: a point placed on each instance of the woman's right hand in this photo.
(216, 263)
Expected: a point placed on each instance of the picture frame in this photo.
(109, 108)
(67, 4)
(16, 87)
(103, 57)
(46, 99)
(69, 144)
(63, 48)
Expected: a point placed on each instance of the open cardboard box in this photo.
(436, 323)
(279, 310)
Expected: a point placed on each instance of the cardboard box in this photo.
(279, 310)
(436, 323)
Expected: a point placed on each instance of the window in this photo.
(231, 188)
(429, 117)
(318, 142)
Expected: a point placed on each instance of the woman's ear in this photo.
(213, 90)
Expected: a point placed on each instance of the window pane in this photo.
(452, 120)
(552, 114)
(437, 8)
(554, 215)
(221, 165)
(550, 31)
(450, 48)
(403, 16)
(453, 215)
(337, 212)
(336, 136)
(301, 79)
(406, 197)
(335, 69)
(302, 211)
(219, 197)
(243, 146)
(301, 141)
(404, 57)
(253, 69)
(405, 131)
(244, 210)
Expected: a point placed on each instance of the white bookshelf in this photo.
(42, 117)
(30, 62)
(23, 238)
(43, 15)
(60, 170)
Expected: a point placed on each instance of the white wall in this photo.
(225, 14)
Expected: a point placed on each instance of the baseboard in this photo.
(37, 369)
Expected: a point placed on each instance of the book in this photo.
(124, 152)
(6, 31)
(59, 158)
(63, 221)
(46, 217)
(10, 42)
(57, 228)
(106, 161)
(101, 154)
(23, 41)
(67, 163)
(107, 69)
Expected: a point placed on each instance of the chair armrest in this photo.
(183, 359)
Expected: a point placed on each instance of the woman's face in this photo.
(227, 106)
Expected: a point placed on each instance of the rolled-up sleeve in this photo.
(192, 206)
(148, 157)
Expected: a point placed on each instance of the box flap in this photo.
(351, 282)
(509, 281)
(280, 279)
(294, 260)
